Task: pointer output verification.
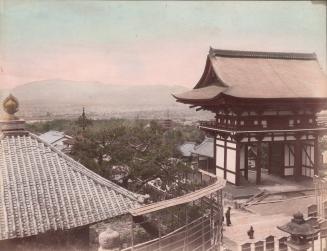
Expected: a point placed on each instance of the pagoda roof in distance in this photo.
(43, 189)
(258, 75)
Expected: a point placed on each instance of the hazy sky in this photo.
(145, 42)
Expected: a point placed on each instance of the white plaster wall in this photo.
(229, 144)
(220, 173)
(288, 155)
(231, 178)
(308, 172)
(289, 171)
(231, 160)
(220, 142)
(279, 138)
(220, 156)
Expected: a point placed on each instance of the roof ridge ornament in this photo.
(10, 106)
(10, 123)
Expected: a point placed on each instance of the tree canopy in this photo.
(135, 154)
(132, 153)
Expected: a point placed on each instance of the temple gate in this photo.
(264, 100)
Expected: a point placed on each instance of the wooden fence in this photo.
(199, 230)
(197, 235)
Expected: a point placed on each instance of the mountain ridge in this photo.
(65, 97)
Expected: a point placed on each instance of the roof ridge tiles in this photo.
(262, 54)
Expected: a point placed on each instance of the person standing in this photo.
(227, 215)
(251, 233)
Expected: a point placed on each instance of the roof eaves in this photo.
(180, 98)
(294, 99)
(192, 101)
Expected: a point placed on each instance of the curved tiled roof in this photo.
(205, 93)
(53, 136)
(206, 148)
(42, 189)
(186, 148)
(265, 75)
(271, 78)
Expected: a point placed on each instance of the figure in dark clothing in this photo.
(227, 215)
(251, 233)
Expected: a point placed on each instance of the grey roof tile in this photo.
(43, 189)
(206, 148)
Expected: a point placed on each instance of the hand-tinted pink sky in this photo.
(145, 42)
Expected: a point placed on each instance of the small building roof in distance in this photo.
(53, 136)
(205, 148)
(187, 148)
(265, 75)
(42, 189)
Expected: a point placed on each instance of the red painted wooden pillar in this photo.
(225, 158)
(269, 157)
(298, 157)
(238, 162)
(316, 155)
(246, 160)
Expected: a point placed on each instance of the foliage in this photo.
(141, 153)
(131, 152)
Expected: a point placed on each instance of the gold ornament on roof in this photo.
(10, 106)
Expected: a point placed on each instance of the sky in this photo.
(148, 43)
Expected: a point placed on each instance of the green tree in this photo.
(145, 152)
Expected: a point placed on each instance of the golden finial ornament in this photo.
(10, 106)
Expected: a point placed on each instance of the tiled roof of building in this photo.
(205, 148)
(53, 136)
(250, 74)
(187, 148)
(43, 189)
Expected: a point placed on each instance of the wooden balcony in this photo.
(259, 126)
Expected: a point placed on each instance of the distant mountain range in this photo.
(63, 98)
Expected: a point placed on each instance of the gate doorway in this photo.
(276, 156)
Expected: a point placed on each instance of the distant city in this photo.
(63, 99)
